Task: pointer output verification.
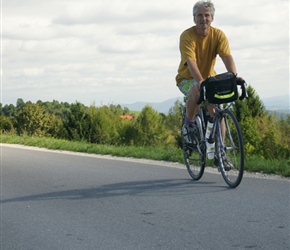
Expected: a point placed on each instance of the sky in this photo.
(101, 52)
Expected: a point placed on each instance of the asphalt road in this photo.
(57, 200)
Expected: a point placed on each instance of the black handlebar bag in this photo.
(221, 88)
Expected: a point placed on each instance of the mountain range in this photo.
(279, 104)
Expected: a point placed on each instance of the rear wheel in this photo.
(230, 149)
(195, 155)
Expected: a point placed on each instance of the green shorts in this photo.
(186, 85)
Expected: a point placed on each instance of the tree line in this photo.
(265, 135)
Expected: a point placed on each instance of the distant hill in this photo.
(280, 104)
(277, 104)
(161, 107)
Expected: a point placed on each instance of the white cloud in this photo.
(126, 51)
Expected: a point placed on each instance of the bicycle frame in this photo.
(218, 112)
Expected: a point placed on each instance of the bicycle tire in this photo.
(232, 147)
(195, 157)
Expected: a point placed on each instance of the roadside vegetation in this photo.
(117, 131)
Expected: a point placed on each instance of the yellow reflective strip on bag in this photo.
(224, 96)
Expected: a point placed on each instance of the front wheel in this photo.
(195, 155)
(230, 149)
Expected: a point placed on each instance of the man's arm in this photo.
(194, 71)
(230, 64)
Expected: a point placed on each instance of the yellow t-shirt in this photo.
(203, 50)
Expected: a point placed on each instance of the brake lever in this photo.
(244, 91)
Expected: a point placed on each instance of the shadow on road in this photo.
(162, 187)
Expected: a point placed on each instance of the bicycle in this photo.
(221, 91)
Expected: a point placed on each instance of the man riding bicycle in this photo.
(199, 46)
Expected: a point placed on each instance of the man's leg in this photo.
(189, 89)
(192, 107)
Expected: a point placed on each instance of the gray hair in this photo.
(205, 4)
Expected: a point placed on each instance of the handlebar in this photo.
(242, 83)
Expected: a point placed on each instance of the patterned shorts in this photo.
(186, 85)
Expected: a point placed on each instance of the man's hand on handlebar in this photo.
(240, 79)
(199, 84)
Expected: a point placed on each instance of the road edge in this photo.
(145, 161)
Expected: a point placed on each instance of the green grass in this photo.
(272, 166)
(252, 164)
(152, 153)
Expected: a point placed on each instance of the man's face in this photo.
(203, 18)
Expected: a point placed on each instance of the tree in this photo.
(263, 135)
(20, 104)
(54, 126)
(250, 112)
(103, 125)
(174, 120)
(127, 132)
(151, 129)
(283, 128)
(117, 110)
(249, 107)
(9, 110)
(126, 111)
(30, 119)
(77, 122)
(5, 123)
